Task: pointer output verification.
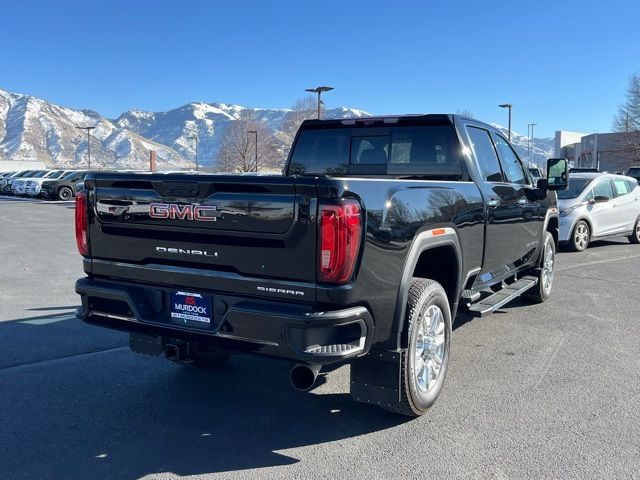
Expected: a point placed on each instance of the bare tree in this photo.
(237, 151)
(465, 113)
(627, 120)
(303, 109)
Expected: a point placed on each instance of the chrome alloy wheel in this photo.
(547, 268)
(638, 230)
(429, 349)
(581, 236)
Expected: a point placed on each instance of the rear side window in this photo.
(511, 165)
(393, 150)
(622, 187)
(485, 154)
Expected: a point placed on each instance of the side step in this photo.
(493, 302)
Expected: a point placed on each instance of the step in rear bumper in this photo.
(272, 327)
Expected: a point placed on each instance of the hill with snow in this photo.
(32, 129)
(178, 128)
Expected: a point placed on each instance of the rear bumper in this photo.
(271, 327)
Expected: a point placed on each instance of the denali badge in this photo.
(183, 251)
(280, 290)
(198, 213)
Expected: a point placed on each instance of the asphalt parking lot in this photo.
(541, 391)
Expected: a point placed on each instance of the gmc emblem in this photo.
(173, 211)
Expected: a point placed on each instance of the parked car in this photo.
(360, 253)
(7, 182)
(597, 206)
(634, 172)
(535, 173)
(19, 186)
(33, 185)
(583, 170)
(63, 188)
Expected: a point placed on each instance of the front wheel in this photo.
(424, 363)
(545, 273)
(635, 236)
(65, 193)
(580, 237)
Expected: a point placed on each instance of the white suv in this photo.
(19, 185)
(34, 185)
(597, 206)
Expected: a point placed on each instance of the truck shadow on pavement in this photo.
(116, 414)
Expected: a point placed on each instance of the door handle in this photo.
(493, 203)
(522, 201)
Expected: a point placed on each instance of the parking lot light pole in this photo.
(255, 132)
(88, 129)
(531, 125)
(319, 91)
(195, 137)
(509, 106)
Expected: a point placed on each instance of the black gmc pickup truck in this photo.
(361, 252)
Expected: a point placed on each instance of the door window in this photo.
(622, 187)
(588, 196)
(485, 154)
(510, 162)
(603, 188)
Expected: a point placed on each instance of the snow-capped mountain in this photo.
(542, 147)
(32, 129)
(179, 127)
(37, 130)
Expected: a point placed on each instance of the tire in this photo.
(545, 271)
(580, 237)
(635, 236)
(65, 193)
(427, 304)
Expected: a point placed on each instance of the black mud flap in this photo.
(376, 377)
(145, 344)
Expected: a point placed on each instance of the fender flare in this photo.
(551, 213)
(424, 241)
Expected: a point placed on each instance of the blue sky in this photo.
(563, 64)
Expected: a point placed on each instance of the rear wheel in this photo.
(65, 193)
(545, 273)
(635, 236)
(424, 363)
(580, 237)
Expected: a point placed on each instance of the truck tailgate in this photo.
(250, 225)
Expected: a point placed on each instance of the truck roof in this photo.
(394, 119)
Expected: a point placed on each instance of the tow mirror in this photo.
(557, 174)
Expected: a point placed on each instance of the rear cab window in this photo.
(422, 149)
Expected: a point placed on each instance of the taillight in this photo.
(340, 233)
(81, 223)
